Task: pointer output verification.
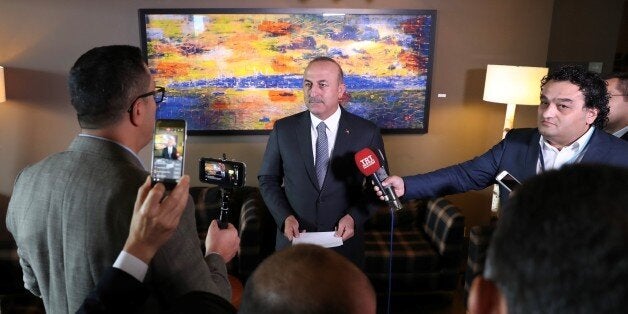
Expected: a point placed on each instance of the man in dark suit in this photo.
(70, 213)
(312, 154)
(618, 104)
(571, 117)
(170, 151)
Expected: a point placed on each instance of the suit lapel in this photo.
(304, 139)
(597, 148)
(343, 136)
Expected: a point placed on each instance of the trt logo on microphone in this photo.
(367, 161)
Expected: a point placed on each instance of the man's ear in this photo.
(342, 88)
(485, 297)
(591, 115)
(136, 111)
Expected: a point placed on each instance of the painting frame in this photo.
(390, 89)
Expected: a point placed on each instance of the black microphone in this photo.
(369, 165)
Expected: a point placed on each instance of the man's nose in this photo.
(547, 111)
(314, 91)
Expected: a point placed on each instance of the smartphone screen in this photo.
(225, 173)
(168, 151)
(506, 180)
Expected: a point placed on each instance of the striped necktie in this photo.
(322, 153)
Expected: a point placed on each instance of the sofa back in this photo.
(444, 225)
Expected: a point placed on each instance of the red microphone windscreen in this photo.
(367, 161)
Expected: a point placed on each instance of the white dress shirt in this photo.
(331, 124)
(554, 158)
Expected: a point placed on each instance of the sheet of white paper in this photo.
(324, 239)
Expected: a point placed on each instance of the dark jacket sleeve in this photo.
(116, 292)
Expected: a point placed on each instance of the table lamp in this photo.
(512, 85)
(3, 96)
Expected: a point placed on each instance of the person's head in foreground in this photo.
(561, 246)
(308, 279)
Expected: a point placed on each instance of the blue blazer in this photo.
(518, 153)
(288, 183)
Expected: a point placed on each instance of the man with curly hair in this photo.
(571, 118)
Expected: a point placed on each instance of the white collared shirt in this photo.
(621, 132)
(331, 124)
(554, 158)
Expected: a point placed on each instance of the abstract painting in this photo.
(237, 71)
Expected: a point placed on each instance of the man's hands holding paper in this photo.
(346, 228)
(291, 228)
(344, 231)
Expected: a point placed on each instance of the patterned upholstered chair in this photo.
(479, 239)
(428, 246)
(248, 214)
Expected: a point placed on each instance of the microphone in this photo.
(369, 165)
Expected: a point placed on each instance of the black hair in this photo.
(622, 86)
(103, 83)
(341, 73)
(592, 86)
(561, 244)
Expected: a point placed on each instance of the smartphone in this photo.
(225, 173)
(506, 180)
(168, 152)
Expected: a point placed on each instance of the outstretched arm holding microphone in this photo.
(395, 182)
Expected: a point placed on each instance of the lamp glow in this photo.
(512, 85)
(3, 95)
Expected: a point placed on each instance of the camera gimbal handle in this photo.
(225, 198)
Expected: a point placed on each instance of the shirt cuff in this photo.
(131, 265)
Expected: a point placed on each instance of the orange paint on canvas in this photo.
(275, 28)
(284, 64)
(409, 60)
(280, 95)
(172, 68)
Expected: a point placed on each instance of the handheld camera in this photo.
(221, 172)
(228, 175)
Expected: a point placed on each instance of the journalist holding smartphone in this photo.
(77, 223)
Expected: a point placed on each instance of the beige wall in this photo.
(40, 40)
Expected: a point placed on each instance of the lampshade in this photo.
(508, 84)
(3, 96)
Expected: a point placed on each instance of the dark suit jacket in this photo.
(174, 155)
(289, 159)
(625, 136)
(119, 292)
(518, 153)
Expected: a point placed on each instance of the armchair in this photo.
(428, 245)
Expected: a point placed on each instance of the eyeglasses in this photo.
(158, 95)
